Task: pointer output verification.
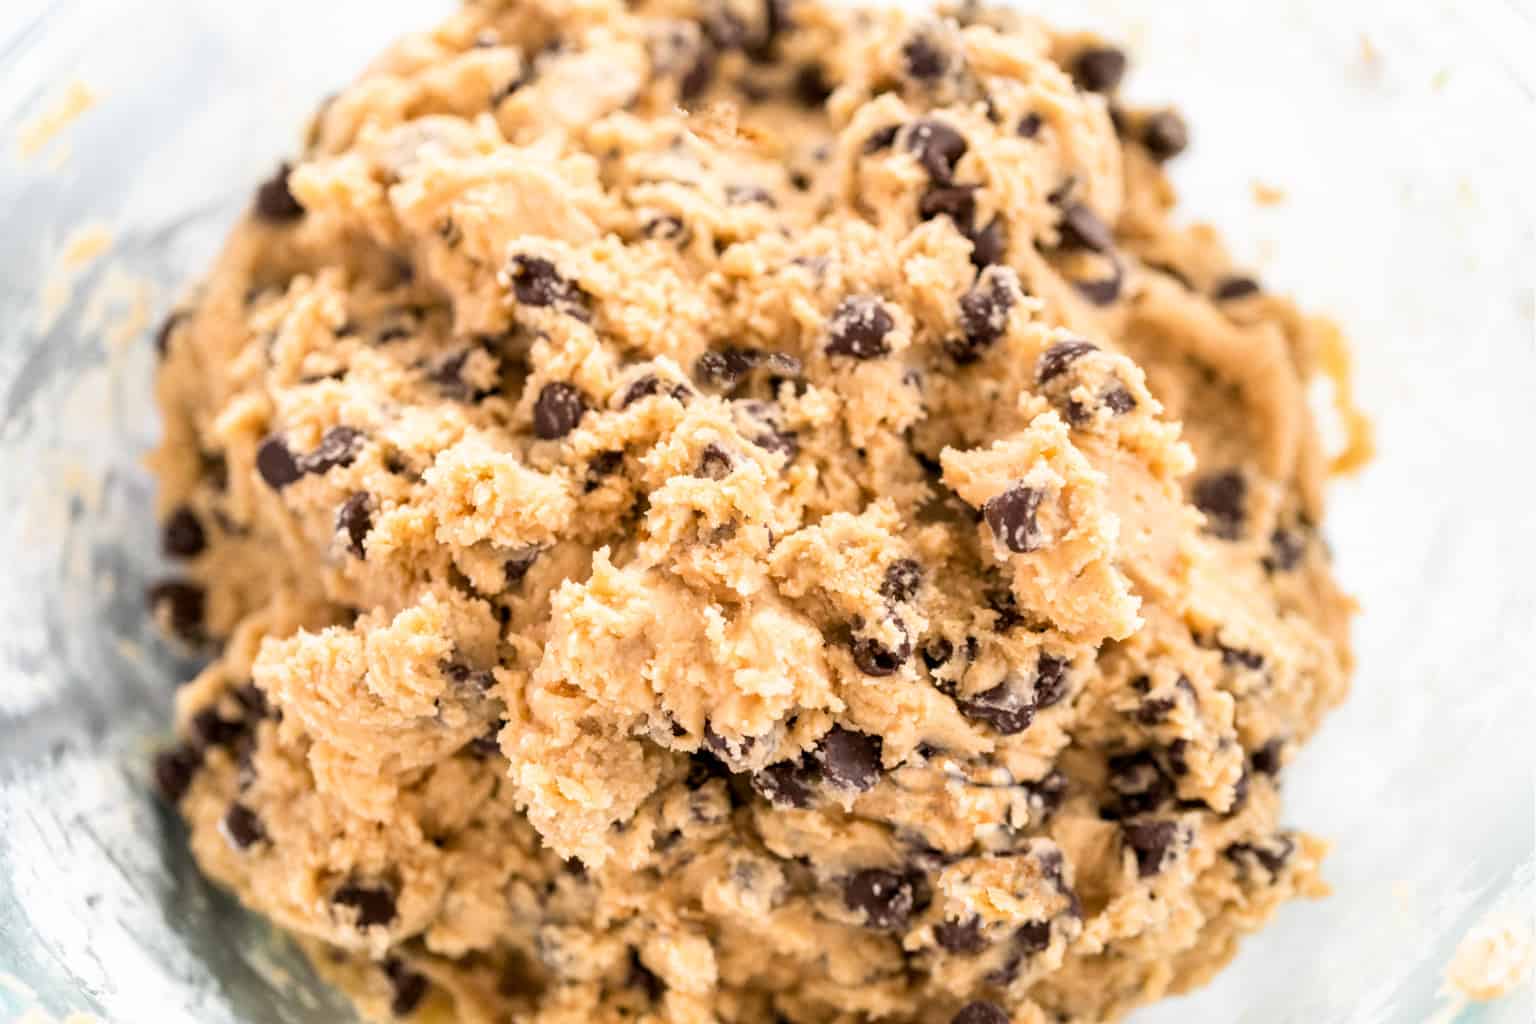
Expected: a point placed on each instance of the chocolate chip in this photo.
(764, 47)
(1239, 793)
(938, 147)
(1268, 759)
(1152, 842)
(957, 202)
(516, 567)
(1221, 497)
(786, 783)
(209, 729)
(1032, 937)
(1178, 761)
(1099, 68)
(600, 467)
(181, 602)
(1272, 853)
(924, 60)
(811, 87)
(1048, 792)
(252, 701)
(876, 659)
(884, 898)
(374, 904)
(1155, 710)
(275, 203)
(557, 410)
(1138, 784)
(466, 678)
(981, 1012)
(487, 744)
(242, 827)
(698, 76)
(984, 315)
(1011, 517)
(1030, 125)
(409, 987)
(1165, 135)
(644, 387)
(1286, 549)
(174, 770)
(715, 463)
(168, 328)
(1006, 608)
(276, 463)
(775, 440)
(849, 759)
(1055, 360)
(1238, 657)
(1235, 287)
(881, 139)
(902, 579)
(704, 766)
(182, 535)
(338, 448)
(989, 245)
(726, 367)
(1081, 228)
(937, 653)
(1119, 401)
(858, 328)
(355, 519)
(644, 979)
(1050, 680)
(667, 228)
(1004, 707)
(963, 938)
(536, 282)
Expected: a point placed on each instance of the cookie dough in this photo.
(707, 511)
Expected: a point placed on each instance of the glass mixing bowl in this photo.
(1401, 136)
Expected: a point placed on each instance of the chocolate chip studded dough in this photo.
(722, 513)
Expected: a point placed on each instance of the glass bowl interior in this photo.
(1400, 140)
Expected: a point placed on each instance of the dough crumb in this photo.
(1494, 958)
(35, 135)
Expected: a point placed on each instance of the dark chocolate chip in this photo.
(1049, 791)
(1155, 710)
(726, 367)
(210, 729)
(1006, 608)
(1165, 135)
(1050, 680)
(698, 76)
(715, 463)
(666, 227)
(339, 447)
(275, 203)
(1030, 125)
(1138, 783)
(1272, 853)
(355, 519)
(957, 202)
(642, 978)
(486, 744)
(1003, 707)
(849, 759)
(938, 147)
(242, 827)
(984, 313)
(1239, 793)
(1102, 291)
(924, 60)
(408, 987)
(1268, 759)
(557, 410)
(536, 282)
(785, 442)
(1055, 360)
(1235, 286)
(858, 328)
(181, 602)
(963, 938)
(174, 770)
(811, 87)
(374, 904)
(937, 653)
(276, 463)
(644, 387)
(1221, 497)
(884, 898)
(1011, 516)
(466, 678)
(989, 245)
(881, 138)
(876, 659)
(764, 47)
(981, 1012)
(1239, 657)
(1099, 68)
(1081, 228)
(1032, 936)
(903, 577)
(1178, 760)
(786, 783)
(167, 329)
(252, 701)
(517, 566)
(600, 467)
(182, 536)
(1119, 401)
(1152, 842)
(1286, 549)
(704, 766)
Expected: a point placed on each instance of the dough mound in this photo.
(712, 512)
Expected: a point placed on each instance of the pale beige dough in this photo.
(710, 512)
